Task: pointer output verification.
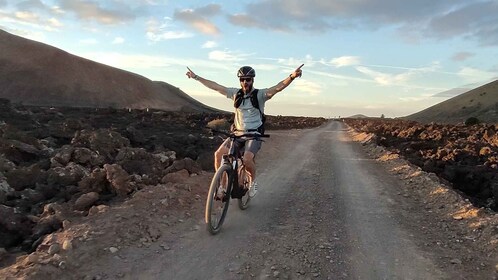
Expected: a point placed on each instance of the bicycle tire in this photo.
(215, 207)
(243, 178)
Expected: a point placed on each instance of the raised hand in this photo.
(298, 72)
(191, 74)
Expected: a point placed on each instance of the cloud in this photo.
(197, 18)
(293, 63)
(118, 40)
(321, 15)
(168, 35)
(209, 45)
(226, 56)
(384, 78)
(250, 21)
(462, 56)
(472, 75)
(477, 20)
(161, 31)
(27, 17)
(345, 61)
(55, 23)
(416, 20)
(307, 87)
(30, 5)
(403, 75)
(93, 11)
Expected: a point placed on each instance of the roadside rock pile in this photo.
(61, 162)
(466, 156)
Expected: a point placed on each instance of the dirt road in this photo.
(325, 210)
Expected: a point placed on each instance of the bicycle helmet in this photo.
(246, 71)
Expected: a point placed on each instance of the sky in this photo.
(370, 57)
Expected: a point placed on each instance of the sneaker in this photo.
(221, 193)
(253, 189)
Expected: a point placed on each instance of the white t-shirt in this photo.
(247, 116)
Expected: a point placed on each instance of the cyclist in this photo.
(248, 119)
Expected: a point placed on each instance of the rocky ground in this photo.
(62, 168)
(58, 165)
(464, 156)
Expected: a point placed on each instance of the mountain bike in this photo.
(233, 178)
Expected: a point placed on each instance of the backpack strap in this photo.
(255, 100)
(239, 96)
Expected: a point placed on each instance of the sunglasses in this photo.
(245, 79)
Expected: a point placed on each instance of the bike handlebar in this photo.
(233, 135)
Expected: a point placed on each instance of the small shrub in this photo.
(219, 124)
(471, 121)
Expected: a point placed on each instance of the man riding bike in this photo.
(248, 118)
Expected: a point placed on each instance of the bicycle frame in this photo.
(232, 158)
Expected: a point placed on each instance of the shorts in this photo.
(251, 145)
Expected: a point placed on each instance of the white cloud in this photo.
(402, 76)
(291, 61)
(472, 75)
(168, 35)
(307, 87)
(27, 16)
(225, 56)
(55, 23)
(209, 45)
(57, 10)
(385, 79)
(161, 31)
(118, 40)
(345, 61)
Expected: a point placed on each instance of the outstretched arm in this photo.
(207, 83)
(284, 83)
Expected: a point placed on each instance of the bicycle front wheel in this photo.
(244, 182)
(217, 207)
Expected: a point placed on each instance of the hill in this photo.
(34, 73)
(481, 103)
(358, 116)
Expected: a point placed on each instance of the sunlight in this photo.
(388, 156)
(466, 212)
(439, 191)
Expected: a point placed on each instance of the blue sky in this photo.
(371, 57)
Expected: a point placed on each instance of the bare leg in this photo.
(250, 165)
(218, 155)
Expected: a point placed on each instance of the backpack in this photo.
(239, 97)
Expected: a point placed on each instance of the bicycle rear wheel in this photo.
(216, 208)
(244, 182)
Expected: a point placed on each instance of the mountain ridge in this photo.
(33, 73)
(481, 103)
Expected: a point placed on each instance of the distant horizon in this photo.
(368, 57)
